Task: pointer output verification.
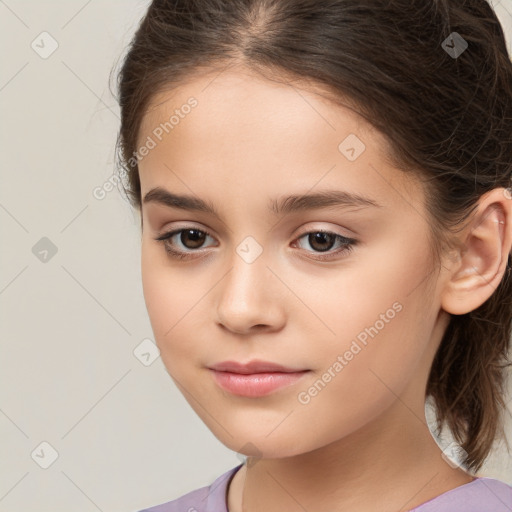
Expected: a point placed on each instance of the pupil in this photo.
(197, 240)
(321, 237)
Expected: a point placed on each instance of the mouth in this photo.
(256, 384)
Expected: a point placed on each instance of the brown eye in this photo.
(194, 237)
(323, 241)
(187, 242)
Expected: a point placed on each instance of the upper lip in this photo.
(254, 366)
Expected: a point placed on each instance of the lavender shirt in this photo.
(481, 495)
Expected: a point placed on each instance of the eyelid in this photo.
(309, 229)
(182, 227)
(169, 233)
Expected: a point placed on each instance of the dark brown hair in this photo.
(447, 119)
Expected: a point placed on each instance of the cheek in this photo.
(171, 302)
(378, 326)
(380, 294)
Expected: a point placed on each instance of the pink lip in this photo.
(254, 379)
(255, 384)
(254, 366)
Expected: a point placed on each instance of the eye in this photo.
(190, 237)
(323, 241)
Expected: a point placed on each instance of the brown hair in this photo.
(447, 119)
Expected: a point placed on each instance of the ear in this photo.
(479, 266)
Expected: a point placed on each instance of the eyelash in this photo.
(348, 243)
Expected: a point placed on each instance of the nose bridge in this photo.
(246, 296)
(248, 268)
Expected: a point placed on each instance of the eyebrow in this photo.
(278, 206)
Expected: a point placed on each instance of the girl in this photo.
(326, 216)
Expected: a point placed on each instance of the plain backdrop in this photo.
(86, 423)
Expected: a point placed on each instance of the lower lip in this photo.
(255, 384)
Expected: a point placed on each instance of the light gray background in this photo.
(125, 436)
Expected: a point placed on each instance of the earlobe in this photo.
(486, 244)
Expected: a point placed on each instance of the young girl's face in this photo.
(361, 318)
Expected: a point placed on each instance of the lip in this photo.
(254, 379)
(254, 366)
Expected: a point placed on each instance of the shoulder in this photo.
(211, 498)
(480, 495)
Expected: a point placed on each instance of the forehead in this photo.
(243, 95)
(256, 132)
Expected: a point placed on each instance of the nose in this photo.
(250, 297)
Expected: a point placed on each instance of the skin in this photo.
(362, 443)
